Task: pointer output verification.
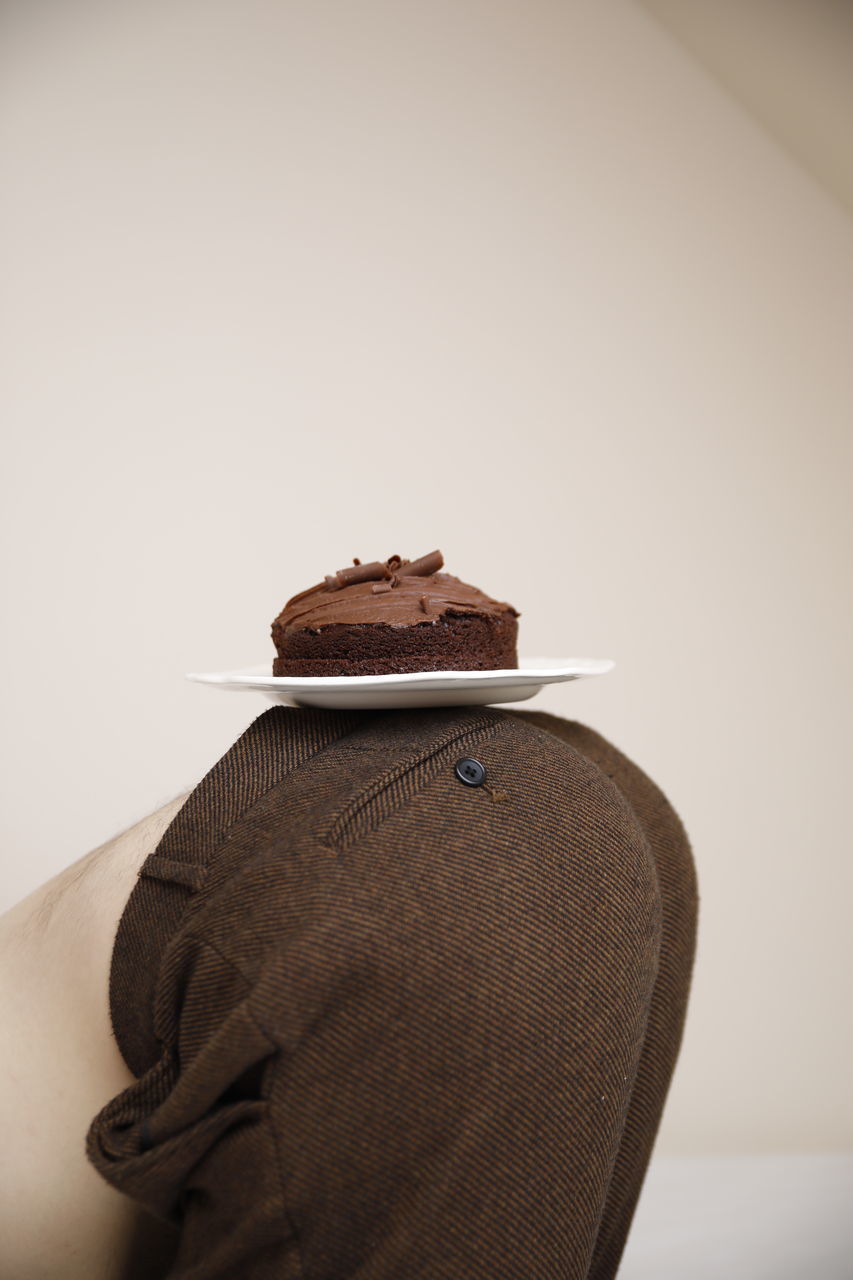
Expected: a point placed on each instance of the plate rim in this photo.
(250, 677)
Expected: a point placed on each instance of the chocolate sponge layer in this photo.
(453, 642)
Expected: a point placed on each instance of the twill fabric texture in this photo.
(383, 1024)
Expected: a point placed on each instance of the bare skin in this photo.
(59, 1064)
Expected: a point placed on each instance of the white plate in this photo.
(416, 689)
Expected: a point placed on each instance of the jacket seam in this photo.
(239, 818)
(202, 870)
(368, 809)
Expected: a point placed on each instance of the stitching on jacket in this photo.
(385, 794)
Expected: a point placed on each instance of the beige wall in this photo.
(790, 63)
(292, 282)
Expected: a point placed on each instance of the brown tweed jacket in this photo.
(384, 1024)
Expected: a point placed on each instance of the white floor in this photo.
(773, 1217)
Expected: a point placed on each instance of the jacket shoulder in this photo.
(644, 794)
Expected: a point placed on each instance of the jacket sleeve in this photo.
(191, 1141)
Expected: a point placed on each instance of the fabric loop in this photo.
(190, 874)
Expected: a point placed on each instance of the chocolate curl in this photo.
(381, 586)
(356, 573)
(425, 566)
(424, 603)
(394, 568)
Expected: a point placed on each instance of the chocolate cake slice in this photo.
(393, 616)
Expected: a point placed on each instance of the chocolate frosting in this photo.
(401, 599)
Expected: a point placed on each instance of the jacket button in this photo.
(470, 771)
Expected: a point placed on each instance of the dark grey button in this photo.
(470, 771)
